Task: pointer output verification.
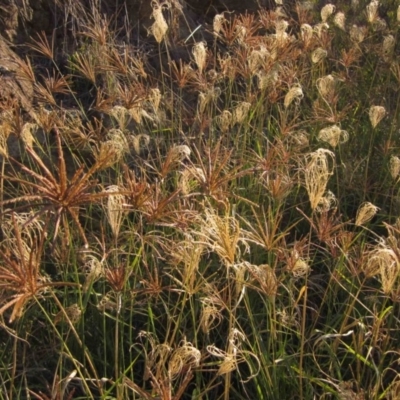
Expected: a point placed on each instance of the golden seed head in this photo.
(28, 130)
(389, 43)
(121, 115)
(357, 33)
(3, 142)
(376, 114)
(327, 11)
(160, 26)
(301, 268)
(155, 98)
(394, 166)
(327, 202)
(326, 86)
(365, 213)
(185, 357)
(372, 11)
(295, 94)
(398, 13)
(224, 120)
(140, 142)
(240, 112)
(306, 32)
(318, 55)
(317, 171)
(200, 55)
(114, 209)
(340, 20)
(321, 28)
(333, 135)
(218, 21)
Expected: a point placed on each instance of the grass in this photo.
(221, 225)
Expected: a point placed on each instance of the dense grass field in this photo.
(207, 212)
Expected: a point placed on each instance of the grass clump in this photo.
(210, 212)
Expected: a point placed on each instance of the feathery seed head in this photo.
(327, 11)
(27, 134)
(372, 11)
(365, 213)
(376, 114)
(340, 20)
(160, 26)
(114, 209)
(200, 55)
(326, 86)
(357, 33)
(295, 93)
(306, 32)
(318, 55)
(240, 112)
(394, 166)
(218, 21)
(333, 135)
(317, 171)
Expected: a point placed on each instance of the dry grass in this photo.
(211, 216)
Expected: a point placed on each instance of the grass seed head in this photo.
(318, 55)
(240, 112)
(327, 11)
(372, 11)
(27, 134)
(294, 94)
(327, 86)
(218, 21)
(114, 209)
(394, 166)
(185, 357)
(365, 213)
(317, 171)
(306, 33)
(357, 33)
(340, 20)
(160, 26)
(333, 135)
(200, 55)
(376, 114)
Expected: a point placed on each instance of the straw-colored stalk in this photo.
(365, 213)
(333, 135)
(115, 209)
(317, 172)
(3, 142)
(376, 114)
